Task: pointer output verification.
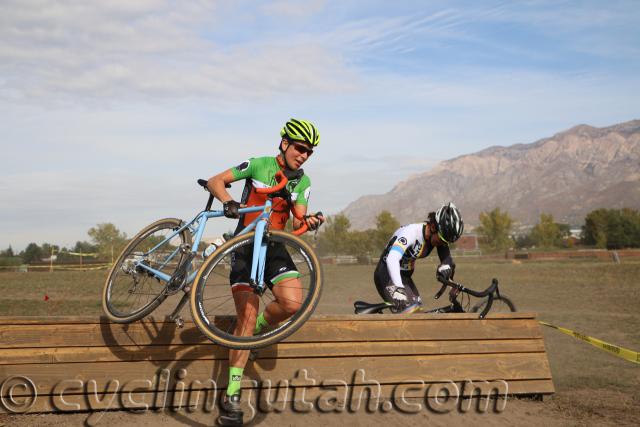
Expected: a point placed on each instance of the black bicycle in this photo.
(492, 301)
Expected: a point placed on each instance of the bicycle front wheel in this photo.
(213, 306)
(501, 304)
(131, 292)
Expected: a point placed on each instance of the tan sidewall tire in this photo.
(311, 301)
(135, 240)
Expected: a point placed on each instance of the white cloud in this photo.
(294, 9)
(56, 52)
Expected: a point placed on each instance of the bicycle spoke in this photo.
(213, 299)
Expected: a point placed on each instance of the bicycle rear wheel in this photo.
(131, 292)
(501, 304)
(212, 303)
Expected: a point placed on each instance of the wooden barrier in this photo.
(80, 364)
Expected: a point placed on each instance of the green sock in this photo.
(235, 377)
(261, 322)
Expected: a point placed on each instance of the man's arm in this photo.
(313, 222)
(444, 253)
(217, 185)
(393, 263)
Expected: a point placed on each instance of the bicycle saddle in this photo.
(203, 183)
(362, 307)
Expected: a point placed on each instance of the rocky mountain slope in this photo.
(567, 175)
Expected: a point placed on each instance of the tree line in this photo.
(603, 228)
(106, 243)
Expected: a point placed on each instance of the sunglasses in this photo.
(302, 149)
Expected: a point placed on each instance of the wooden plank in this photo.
(44, 320)
(385, 369)
(348, 397)
(391, 328)
(209, 351)
(355, 397)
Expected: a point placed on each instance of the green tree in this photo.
(84, 247)
(109, 240)
(612, 228)
(495, 228)
(334, 240)
(7, 252)
(386, 225)
(32, 253)
(360, 243)
(594, 231)
(546, 233)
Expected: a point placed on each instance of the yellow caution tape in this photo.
(624, 353)
(68, 267)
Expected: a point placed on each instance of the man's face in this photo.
(433, 236)
(296, 153)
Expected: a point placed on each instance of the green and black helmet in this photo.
(301, 130)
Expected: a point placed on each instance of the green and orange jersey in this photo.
(260, 172)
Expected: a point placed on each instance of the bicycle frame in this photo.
(197, 226)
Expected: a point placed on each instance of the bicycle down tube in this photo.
(259, 251)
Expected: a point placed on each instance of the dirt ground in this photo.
(592, 387)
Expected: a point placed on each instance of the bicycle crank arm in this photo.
(178, 279)
(175, 316)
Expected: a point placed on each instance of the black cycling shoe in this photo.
(231, 413)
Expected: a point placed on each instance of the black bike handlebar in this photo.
(493, 288)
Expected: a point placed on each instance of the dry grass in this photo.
(600, 299)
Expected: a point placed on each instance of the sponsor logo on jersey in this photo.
(415, 250)
(236, 377)
(243, 166)
(402, 241)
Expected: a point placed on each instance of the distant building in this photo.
(467, 242)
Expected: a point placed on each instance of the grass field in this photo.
(599, 299)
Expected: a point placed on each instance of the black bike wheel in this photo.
(501, 304)
(212, 304)
(130, 293)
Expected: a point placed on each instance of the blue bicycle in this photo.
(161, 260)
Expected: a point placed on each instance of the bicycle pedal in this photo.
(179, 322)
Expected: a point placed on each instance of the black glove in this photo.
(230, 209)
(444, 272)
(311, 227)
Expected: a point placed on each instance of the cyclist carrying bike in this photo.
(299, 138)
(410, 242)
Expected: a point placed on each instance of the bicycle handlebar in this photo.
(282, 181)
(493, 288)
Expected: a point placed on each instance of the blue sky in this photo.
(110, 110)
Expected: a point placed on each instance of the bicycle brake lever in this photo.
(441, 291)
(487, 308)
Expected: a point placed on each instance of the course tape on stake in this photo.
(630, 355)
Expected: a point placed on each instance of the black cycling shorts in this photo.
(385, 286)
(279, 265)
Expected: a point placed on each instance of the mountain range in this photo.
(567, 175)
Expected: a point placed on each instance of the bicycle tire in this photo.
(501, 304)
(218, 326)
(123, 276)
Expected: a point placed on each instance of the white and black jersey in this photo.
(397, 261)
